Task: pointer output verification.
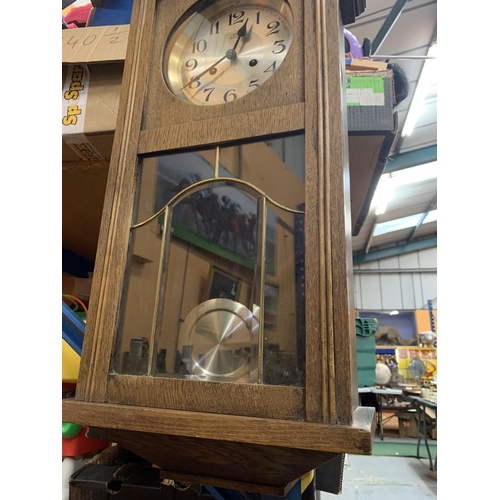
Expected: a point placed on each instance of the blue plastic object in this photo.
(73, 329)
(228, 494)
(112, 13)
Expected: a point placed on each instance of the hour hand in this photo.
(243, 30)
(241, 33)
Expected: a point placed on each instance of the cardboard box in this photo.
(370, 101)
(373, 126)
(408, 423)
(77, 287)
(91, 90)
(365, 64)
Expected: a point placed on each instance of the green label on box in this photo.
(365, 91)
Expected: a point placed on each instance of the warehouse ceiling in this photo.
(406, 197)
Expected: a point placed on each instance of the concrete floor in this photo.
(387, 478)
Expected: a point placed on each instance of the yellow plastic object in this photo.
(70, 364)
(305, 480)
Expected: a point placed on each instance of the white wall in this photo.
(376, 291)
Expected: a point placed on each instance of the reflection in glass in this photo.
(224, 232)
(132, 348)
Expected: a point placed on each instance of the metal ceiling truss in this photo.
(422, 218)
(388, 24)
(397, 250)
(411, 159)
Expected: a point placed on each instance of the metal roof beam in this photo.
(421, 221)
(394, 251)
(388, 24)
(411, 159)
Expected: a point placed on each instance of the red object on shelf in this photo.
(81, 445)
(77, 17)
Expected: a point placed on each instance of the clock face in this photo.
(227, 50)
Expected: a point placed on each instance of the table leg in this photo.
(379, 417)
(419, 426)
(426, 441)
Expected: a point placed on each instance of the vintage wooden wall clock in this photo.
(220, 340)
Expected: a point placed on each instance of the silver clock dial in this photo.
(220, 55)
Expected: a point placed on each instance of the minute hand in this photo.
(196, 78)
(230, 54)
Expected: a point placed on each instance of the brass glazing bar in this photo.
(228, 181)
(165, 239)
(217, 162)
(262, 204)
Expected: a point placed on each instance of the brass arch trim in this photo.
(227, 181)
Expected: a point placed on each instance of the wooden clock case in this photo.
(250, 437)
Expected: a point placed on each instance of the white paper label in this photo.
(365, 97)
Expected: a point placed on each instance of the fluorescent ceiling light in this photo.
(397, 224)
(388, 183)
(426, 81)
(403, 223)
(383, 194)
(412, 175)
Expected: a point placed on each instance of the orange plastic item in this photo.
(80, 444)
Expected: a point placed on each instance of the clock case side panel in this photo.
(111, 258)
(329, 281)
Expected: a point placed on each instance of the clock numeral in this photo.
(258, 18)
(273, 27)
(281, 45)
(253, 83)
(194, 84)
(271, 68)
(236, 17)
(199, 46)
(230, 94)
(191, 64)
(214, 28)
(209, 90)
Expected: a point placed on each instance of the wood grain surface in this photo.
(355, 439)
(260, 469)
(210, 397)
(212, 131)
(328, 357)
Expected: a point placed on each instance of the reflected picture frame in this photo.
(222, 284)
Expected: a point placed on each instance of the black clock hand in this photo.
(195, 78)
(230, 54)
(241, 33)
(247, 37)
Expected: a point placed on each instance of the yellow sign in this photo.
(417, 363)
